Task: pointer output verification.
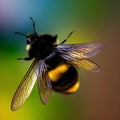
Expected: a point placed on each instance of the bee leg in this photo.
(67, 38)
(26, 58)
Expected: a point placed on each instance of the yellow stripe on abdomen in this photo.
(74, 88)
(57, 72)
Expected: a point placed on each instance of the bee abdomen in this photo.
(64, 79)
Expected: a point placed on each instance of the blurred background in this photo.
(93, 21)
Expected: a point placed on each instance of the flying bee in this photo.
(54, 66)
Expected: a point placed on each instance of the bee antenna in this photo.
(67, 37)
(21, 34)
(33, 25)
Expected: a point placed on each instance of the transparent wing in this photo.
(24, 89)
(78, 51)
(44, 83)
(86, 65)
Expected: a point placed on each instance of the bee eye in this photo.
(28, 40)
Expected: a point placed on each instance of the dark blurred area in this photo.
(93, 21)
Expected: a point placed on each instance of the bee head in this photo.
(31, 38)
(34, 39)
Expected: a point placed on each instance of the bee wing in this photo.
(24, 89)
(44, 83)
(86, 65)
(78, 51)
(77, 55)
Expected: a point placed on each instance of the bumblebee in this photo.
(54, 66)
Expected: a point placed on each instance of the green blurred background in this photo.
(93, 21)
